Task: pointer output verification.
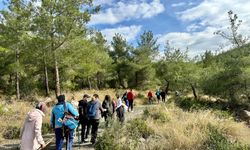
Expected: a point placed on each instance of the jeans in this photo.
(94, 124)
(69, 139)
(85, 129)
(60, 138)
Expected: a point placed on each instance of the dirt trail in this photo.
(13, 145)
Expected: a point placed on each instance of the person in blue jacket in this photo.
(57, 115)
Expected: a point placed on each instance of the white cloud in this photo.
(197, 42)
(193, 27)
(102, 2)
(208, 16)
(128, 32)
(128, 11)
(178, 4)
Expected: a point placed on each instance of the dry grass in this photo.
(189, 130)
(15, 111)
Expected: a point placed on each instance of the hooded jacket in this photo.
(31, 136)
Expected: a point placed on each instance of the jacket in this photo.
(130, 96)
(99, 109)
(58, 113)
(31, 136)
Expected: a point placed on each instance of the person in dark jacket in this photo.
(83, 117)
(163, 96)
(107, 105)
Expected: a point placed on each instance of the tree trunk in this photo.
(194, 91)
(89, 82)
(46, 79)
(120, 79)
(136, 79)
(167, 87)
(17, 76)
(57, 84)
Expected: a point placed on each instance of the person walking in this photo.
(31, 134)
(107, 104)
(83, 117)
(120, 109)
(158, 95)
(150, 97)
(163, 96)
(130, 97)
(94, 114)
(57, 115)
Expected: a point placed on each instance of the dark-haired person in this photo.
(130, 97)
(31, 134)
(83, 117)
(57, 115)
(108, 106)
(94, 115)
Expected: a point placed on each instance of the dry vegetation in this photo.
(169, 128)
(12, 113)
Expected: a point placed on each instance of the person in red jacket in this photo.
(130, 97)
(150, 97)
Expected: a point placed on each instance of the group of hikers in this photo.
(65, 119)
(160, 94)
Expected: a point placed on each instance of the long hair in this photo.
(108, 98)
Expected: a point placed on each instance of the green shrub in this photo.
(140, 96)
(12, 132)
(217, 141)
(139, 128)
(106, 142)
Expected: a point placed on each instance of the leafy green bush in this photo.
(217, 140)
(139, 128)
(107, 142)
(12, 132)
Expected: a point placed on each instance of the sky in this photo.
(184, 23)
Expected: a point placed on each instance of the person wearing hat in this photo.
(83, 117)
(31, 135)
(57, 115)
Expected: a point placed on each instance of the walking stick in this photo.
(78, 137)
(47, 143)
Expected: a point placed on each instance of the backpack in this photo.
(92, 110)
(68, 119)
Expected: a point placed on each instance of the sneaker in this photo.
(85, 141)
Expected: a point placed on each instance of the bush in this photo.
(106, 142)
(12, 132)
(216, 140)
(139, 128)
(140, 96)
(156, 115)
